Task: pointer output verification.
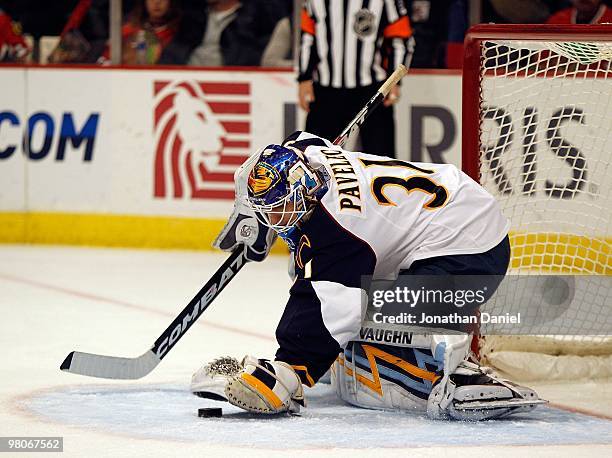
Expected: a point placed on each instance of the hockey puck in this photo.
(210, 412)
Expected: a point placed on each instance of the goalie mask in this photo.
(282, 188)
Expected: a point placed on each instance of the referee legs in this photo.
(334, 108)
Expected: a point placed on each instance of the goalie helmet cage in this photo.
(537, 134)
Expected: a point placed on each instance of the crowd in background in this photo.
(242, 32)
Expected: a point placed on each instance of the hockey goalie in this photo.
(345, 215)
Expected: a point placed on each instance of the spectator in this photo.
(13, 47)
(517, 11)
(583, 12)
(85, 35)
(223, 32)
(151, 26)
(340, 67)
(430, 24)
(279, 51)
(458, 23)
(39, 18)
(221, 14)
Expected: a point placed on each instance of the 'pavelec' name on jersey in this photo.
(346, 180)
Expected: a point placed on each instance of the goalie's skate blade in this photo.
(110, 367)
(501, 404)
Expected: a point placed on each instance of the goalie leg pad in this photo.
(263, 386)
(378, 376)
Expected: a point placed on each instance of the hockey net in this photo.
(537, 134)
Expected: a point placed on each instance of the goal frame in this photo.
(472, 98)
(471, 79)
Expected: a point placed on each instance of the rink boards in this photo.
(145, 157)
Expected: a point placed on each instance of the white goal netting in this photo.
(545, 136)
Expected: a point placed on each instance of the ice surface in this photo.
(169, 411)
(54, 300)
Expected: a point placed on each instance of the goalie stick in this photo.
(371, 105)
(115, 367)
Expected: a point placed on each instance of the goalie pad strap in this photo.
(302, 372)
(262, 389)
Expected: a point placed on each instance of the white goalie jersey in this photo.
(407, 211)
(378, 216)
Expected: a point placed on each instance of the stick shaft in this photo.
(371, 105)
(200, 302)
(114, 367)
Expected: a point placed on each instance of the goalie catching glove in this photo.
(209, 381)
(265, 386)
(255, 385)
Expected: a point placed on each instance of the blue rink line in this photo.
(169, 412)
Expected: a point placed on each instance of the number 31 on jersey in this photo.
(439, 194)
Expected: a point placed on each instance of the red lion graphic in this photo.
(202, 133)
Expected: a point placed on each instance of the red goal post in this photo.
(537, 134)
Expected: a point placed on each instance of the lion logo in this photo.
(262, 178)
(202, 134)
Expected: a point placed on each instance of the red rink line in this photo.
(580, 410)
(95, 297)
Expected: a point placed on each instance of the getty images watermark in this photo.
(445, 301)
(455, 303)
(495, 304)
